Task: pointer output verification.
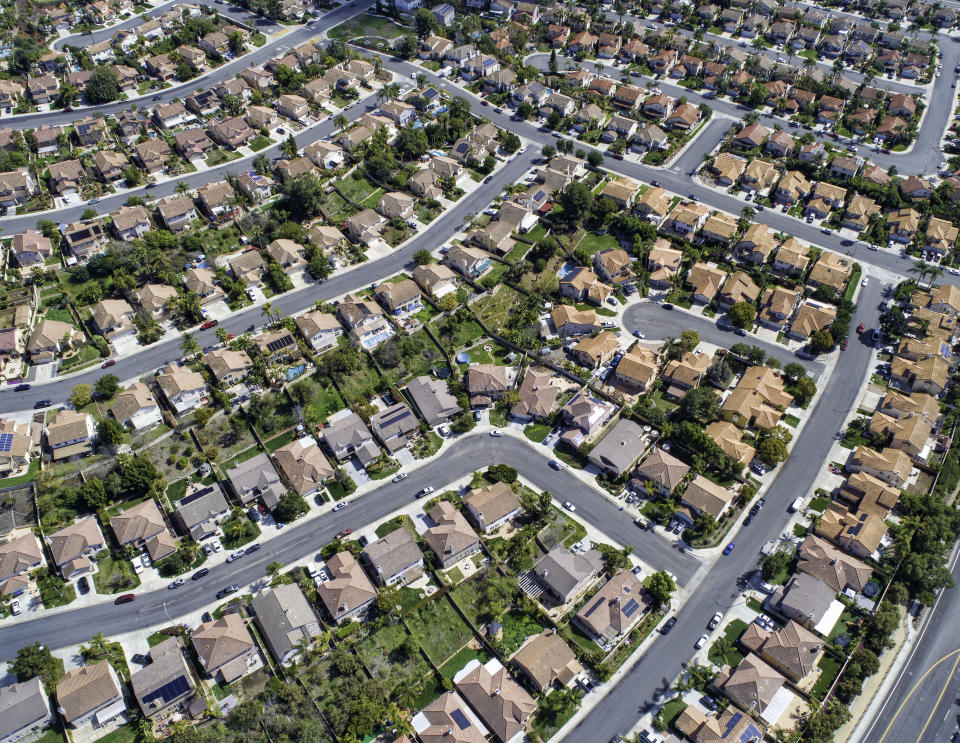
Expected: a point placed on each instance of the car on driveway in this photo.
(729, 548)
(701, 642)
(15, 607)
(83, 585)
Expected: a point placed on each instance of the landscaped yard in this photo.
(367, 25)
(115, 575)
(123, 734)
(390, 659)
(260, 142)
(282, 440)
(729, 655)
(536, 432)
(455, 333)
(496, 308)
(404, 356)
(218, 157)
(457, 662)
(439, 629)
(322, 399)
(594, 243)
(829, 667)
(55, 591)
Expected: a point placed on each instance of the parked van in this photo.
(796, 505)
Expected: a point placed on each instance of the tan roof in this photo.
(760, 174)
(500, 702)
(729, 167)
(452, 533)
(730, 438)
(176, 379)
(898, 404)
(812, 317)
(945, 295)
(19, 554)
(753, 684)
(48, 333)
(483, 378)
(565, 313)
(794, 254)
(860, 533)
(834, 567)
(830, 270)
(908, 432)
(224, 361)
(492, 502)
(688, 370)
(432, 275)
(220, 641)
(892, 461)
(739, 287)
(705, 279)
(155, 296)
(66, 425)
(537, 393)
(638, 367)
(663, 469)
(546, 658)
(872, 495)
(663, 261)
(303, 464)
(72, 540)
(138, 523)
(84, 689)
(614, 609)
(721, 226)
(136, 397)
(348, 588)
(442, 727)
(759, 397)
(932, 370)
(620, 189)
(597, 347)
(313, 322)
(778, 303)
(655, 199)
(110, 312)
(706, 496)
(792, 647)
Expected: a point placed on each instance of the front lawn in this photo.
(439, 629)
(218, 157)
(730, 655)
(260, 143)
(55, 591)
(115, 575)
(536, 432)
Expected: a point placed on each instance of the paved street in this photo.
(66, 628)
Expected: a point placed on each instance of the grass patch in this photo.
(536, 432)
(791, 420)
(260, 143)
(115, 575)
(670, 711)
(367, 25)
(754, 604)
(282, 440)
(219, 157)
(386, 659)
(123, 734)
(439, 629)
(819, 504)
(800, 530)
(731, 656)
(55, 591)
(517, 627)
(846, 625)
(176, 490)
(84, 355)
(829, 667)
(451, 667)
(455, 334)
(593, 243)
(28, 476)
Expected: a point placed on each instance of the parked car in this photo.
(125, 599)
(668, 625)
(108, 363)
(425, 491)
(15, 607)
(344, 533)
(176, 584)
(340, 506)
(554, 464)
(83, 585)
(200, 573)
(729, 548)
(235, 556)
(715, 621)
(569, 506)
(701, 642)
(42, 404)
(227, 591)
(401, 476)
(254, 514)
(496, 433)
(209, 324)
(140, 659)
(251, 549)
(21, 388)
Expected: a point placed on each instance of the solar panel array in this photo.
(168, 692)
(631, 608)
(6, 441)
(460, 719)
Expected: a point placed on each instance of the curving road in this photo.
(69, 627)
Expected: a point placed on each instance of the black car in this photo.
(140, 658)
(667, 306)
(668, 625)
(253, 513)
(749, 519)
(83, 585)
(42, 404)
(200, 573)
(708, 702)
(227, 591)
(21, 387)
(206, 617)
(251, 549)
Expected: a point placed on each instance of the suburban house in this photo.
(612, 613)
(492, 506)
(432, 399)
(184, 390)
(18, 557)
(395, 426)
(201, 510)
(90, 695)
(303, 465)
(320, 329)
(349, 591)
(347, 435)
(500, 702)
(619, 449)
(566, 575)
(546, 661)
(254, 479)
(224, 648)
(24, 710)
(661, 472)
(394, 559)
(70, 434)
(286, 619)
(166, 682)
(451, 538)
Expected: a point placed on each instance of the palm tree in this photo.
(222, 334)
(723, 647)
(266, 309)
(934, 272)
(920, 268)
(341, 122)
(181, 188)
(421, 81)
(274, 568)
(189, 345)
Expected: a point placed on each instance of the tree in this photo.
(501, 473)
(37, 660)
(594, 158)
(301, 197)
(548, 151)
(742, 315)
(291, 506)
(719, 373)
(821, 341)
(806, 388)
(189, 345)
(793, 371)
(422, 257)
(425, 23)
(274, 568)
(510, 142)
(289, 146)
(110, 432)
(81, 395)
(699, 405)
(341, 122)
(102, 87)
(411, 143)
(554, 67)
(776, 563)
(661, 587)
(771, 451)
(575, 200)
(689, 339)
(132, 176)
(107, 386)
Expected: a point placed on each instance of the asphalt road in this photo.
(230, 12)
(922, 704)
(656, 322)
(466, 455)
(148, 359)
(666, 658)
(227, 71)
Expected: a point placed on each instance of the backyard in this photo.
(455, 332)
(365, 26)
(389, 656)
(439, 629)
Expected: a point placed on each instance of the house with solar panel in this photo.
(729, 726)
(613, 611)
(166, 682)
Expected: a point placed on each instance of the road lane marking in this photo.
(916, 686)
(943, 691)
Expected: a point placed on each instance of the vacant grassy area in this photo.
(439, 629)
(323, 399)
(388, 658)
(495, 309)
(729, 656)
(536, 432)
(356, 187)
(115, 575)
(457, 662)
(517, 627)
(84, 355)
(593, 243)
(367, 25)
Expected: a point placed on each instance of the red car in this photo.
(843, 346)
(108, 363)
(230, 336)
(861, 327)
(125, 599)
(345, 533)
(209, 324)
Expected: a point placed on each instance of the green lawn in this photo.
(356, 188)
(123, 734)
(51, 735)
(454, 334)
(218, 157)
(61, 314)
(277, 441)
(517, 627)
(457, 662)
(819, 504)
(791, 420)
(54, 591)
(671, 711)
(367, 25)
(115, 576)
(733, 657)
(84, 356)
(439, 629)
(536, 432)
(846, 625)
(829, 667)
(260, 143)
(26, 477)
(176, 490)
(382, 653)
(593, 243)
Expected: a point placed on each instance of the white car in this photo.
(401, 476)
(496, 434)
(715, 622)
(639, 334)
(15, 607)
(340, 506)
(701, 642)
(235, 556)
(569, 506)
